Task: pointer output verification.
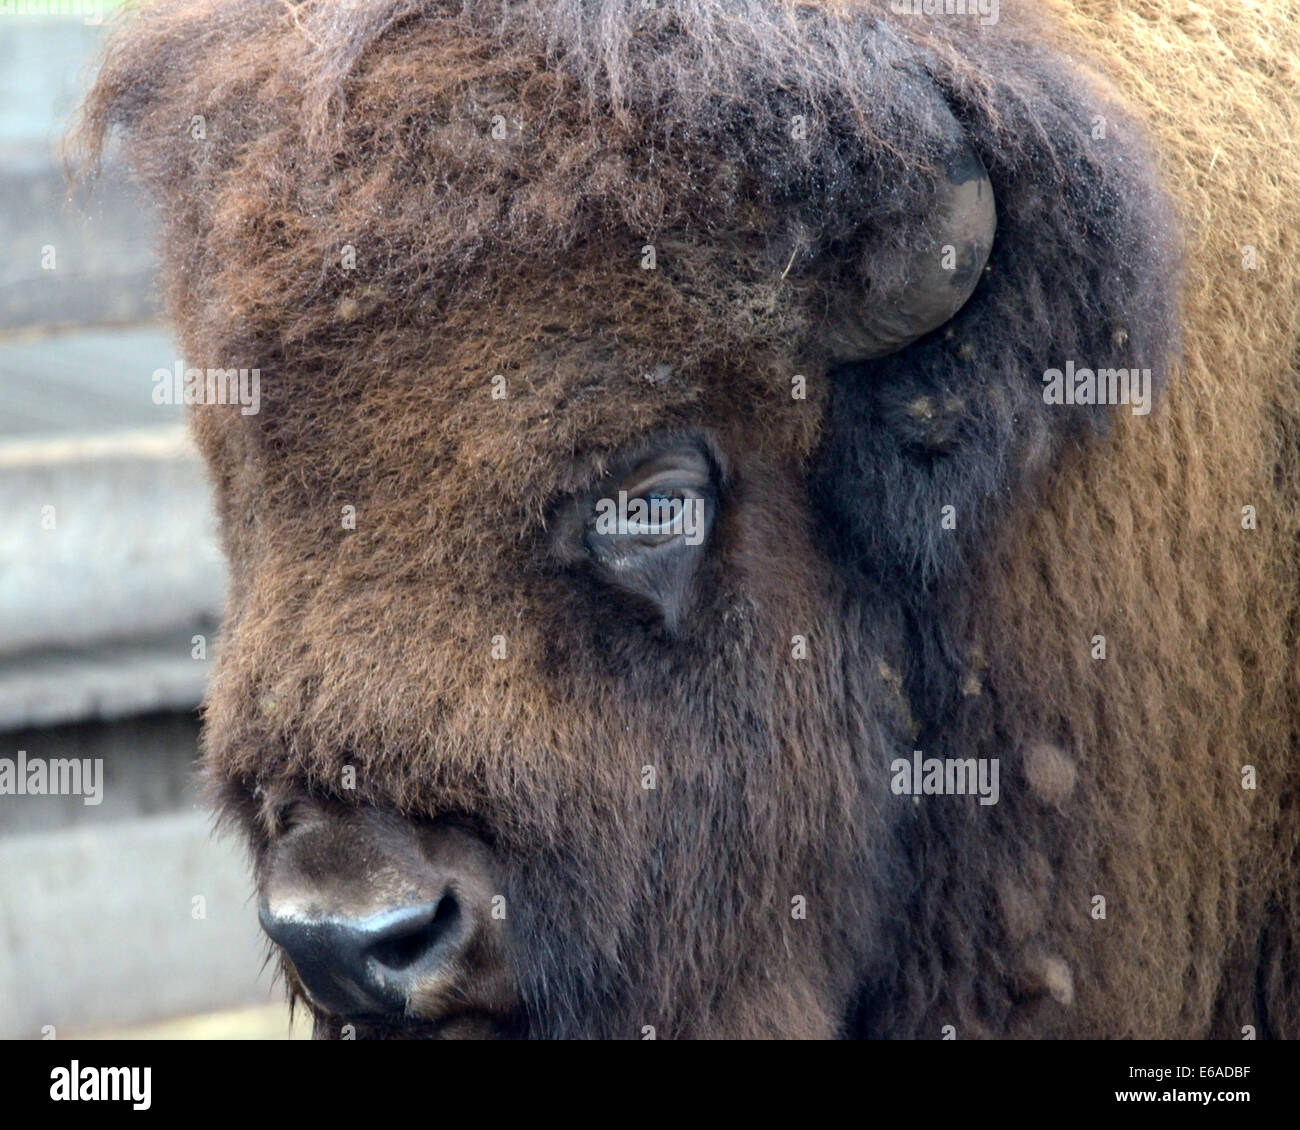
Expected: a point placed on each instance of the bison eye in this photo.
(663, 501)
(643, 532)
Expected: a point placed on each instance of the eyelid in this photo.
(671, 478)
(685, 470)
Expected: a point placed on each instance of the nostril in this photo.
(369, 965)
(403, 943)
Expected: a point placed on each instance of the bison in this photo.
(763, 519)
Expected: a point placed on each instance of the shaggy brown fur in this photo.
(332, 123)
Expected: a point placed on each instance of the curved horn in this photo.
(964, 219)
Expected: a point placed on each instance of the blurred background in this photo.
(127, 917)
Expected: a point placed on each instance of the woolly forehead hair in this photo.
(755, 136)
(500, 171)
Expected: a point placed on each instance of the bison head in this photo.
(591, 558)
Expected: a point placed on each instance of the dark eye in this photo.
(664, 501)
(290, 815)
(644, 533)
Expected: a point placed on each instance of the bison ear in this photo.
(945, 264)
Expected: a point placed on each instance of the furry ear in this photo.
(924, 448)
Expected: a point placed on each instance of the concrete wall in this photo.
(110, 537)
(103, 267)
(108, 570)
(123, 923)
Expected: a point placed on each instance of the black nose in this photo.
(369, 966)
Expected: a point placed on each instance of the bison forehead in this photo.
(430, 467)
(491, 425)
(439, 167)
